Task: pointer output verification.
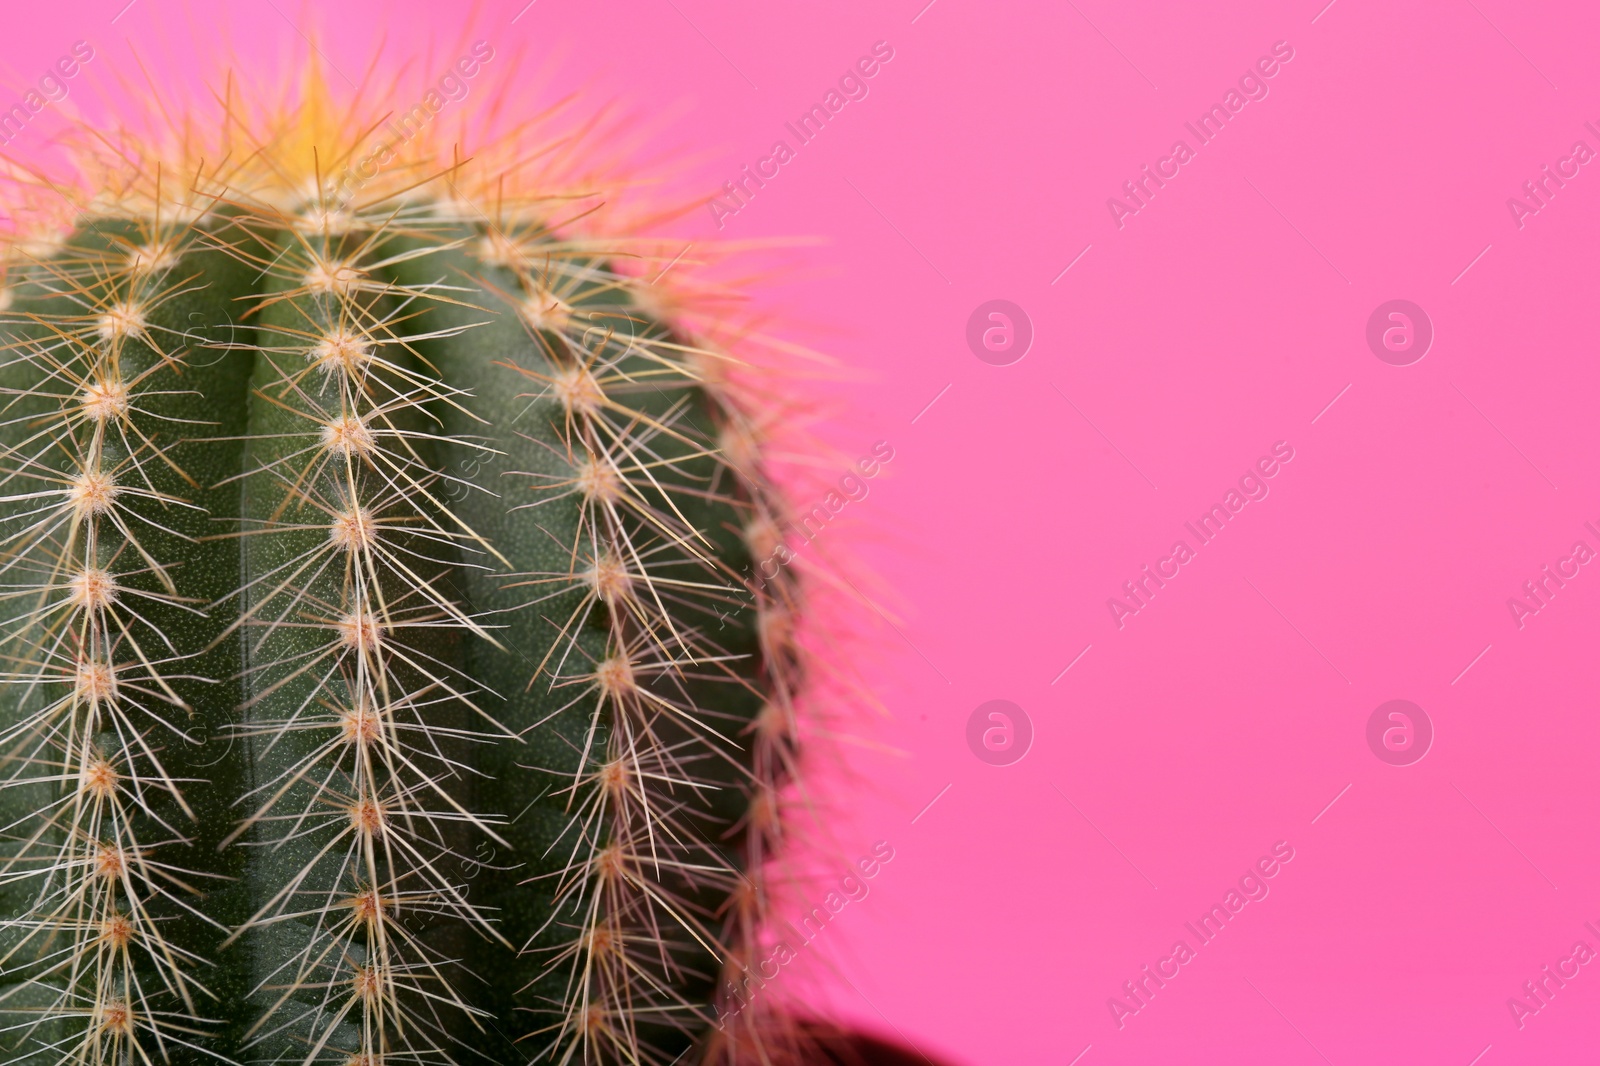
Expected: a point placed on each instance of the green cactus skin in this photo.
(383, 683)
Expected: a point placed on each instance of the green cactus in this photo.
(385, 682)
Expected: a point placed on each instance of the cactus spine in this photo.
(383, 680)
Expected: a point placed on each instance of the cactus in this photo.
(384, 682)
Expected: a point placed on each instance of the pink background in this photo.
(1223, 317)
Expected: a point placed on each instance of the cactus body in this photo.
(382, 681)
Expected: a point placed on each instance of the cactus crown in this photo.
(383, 683)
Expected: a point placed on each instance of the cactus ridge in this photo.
(383, 680)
